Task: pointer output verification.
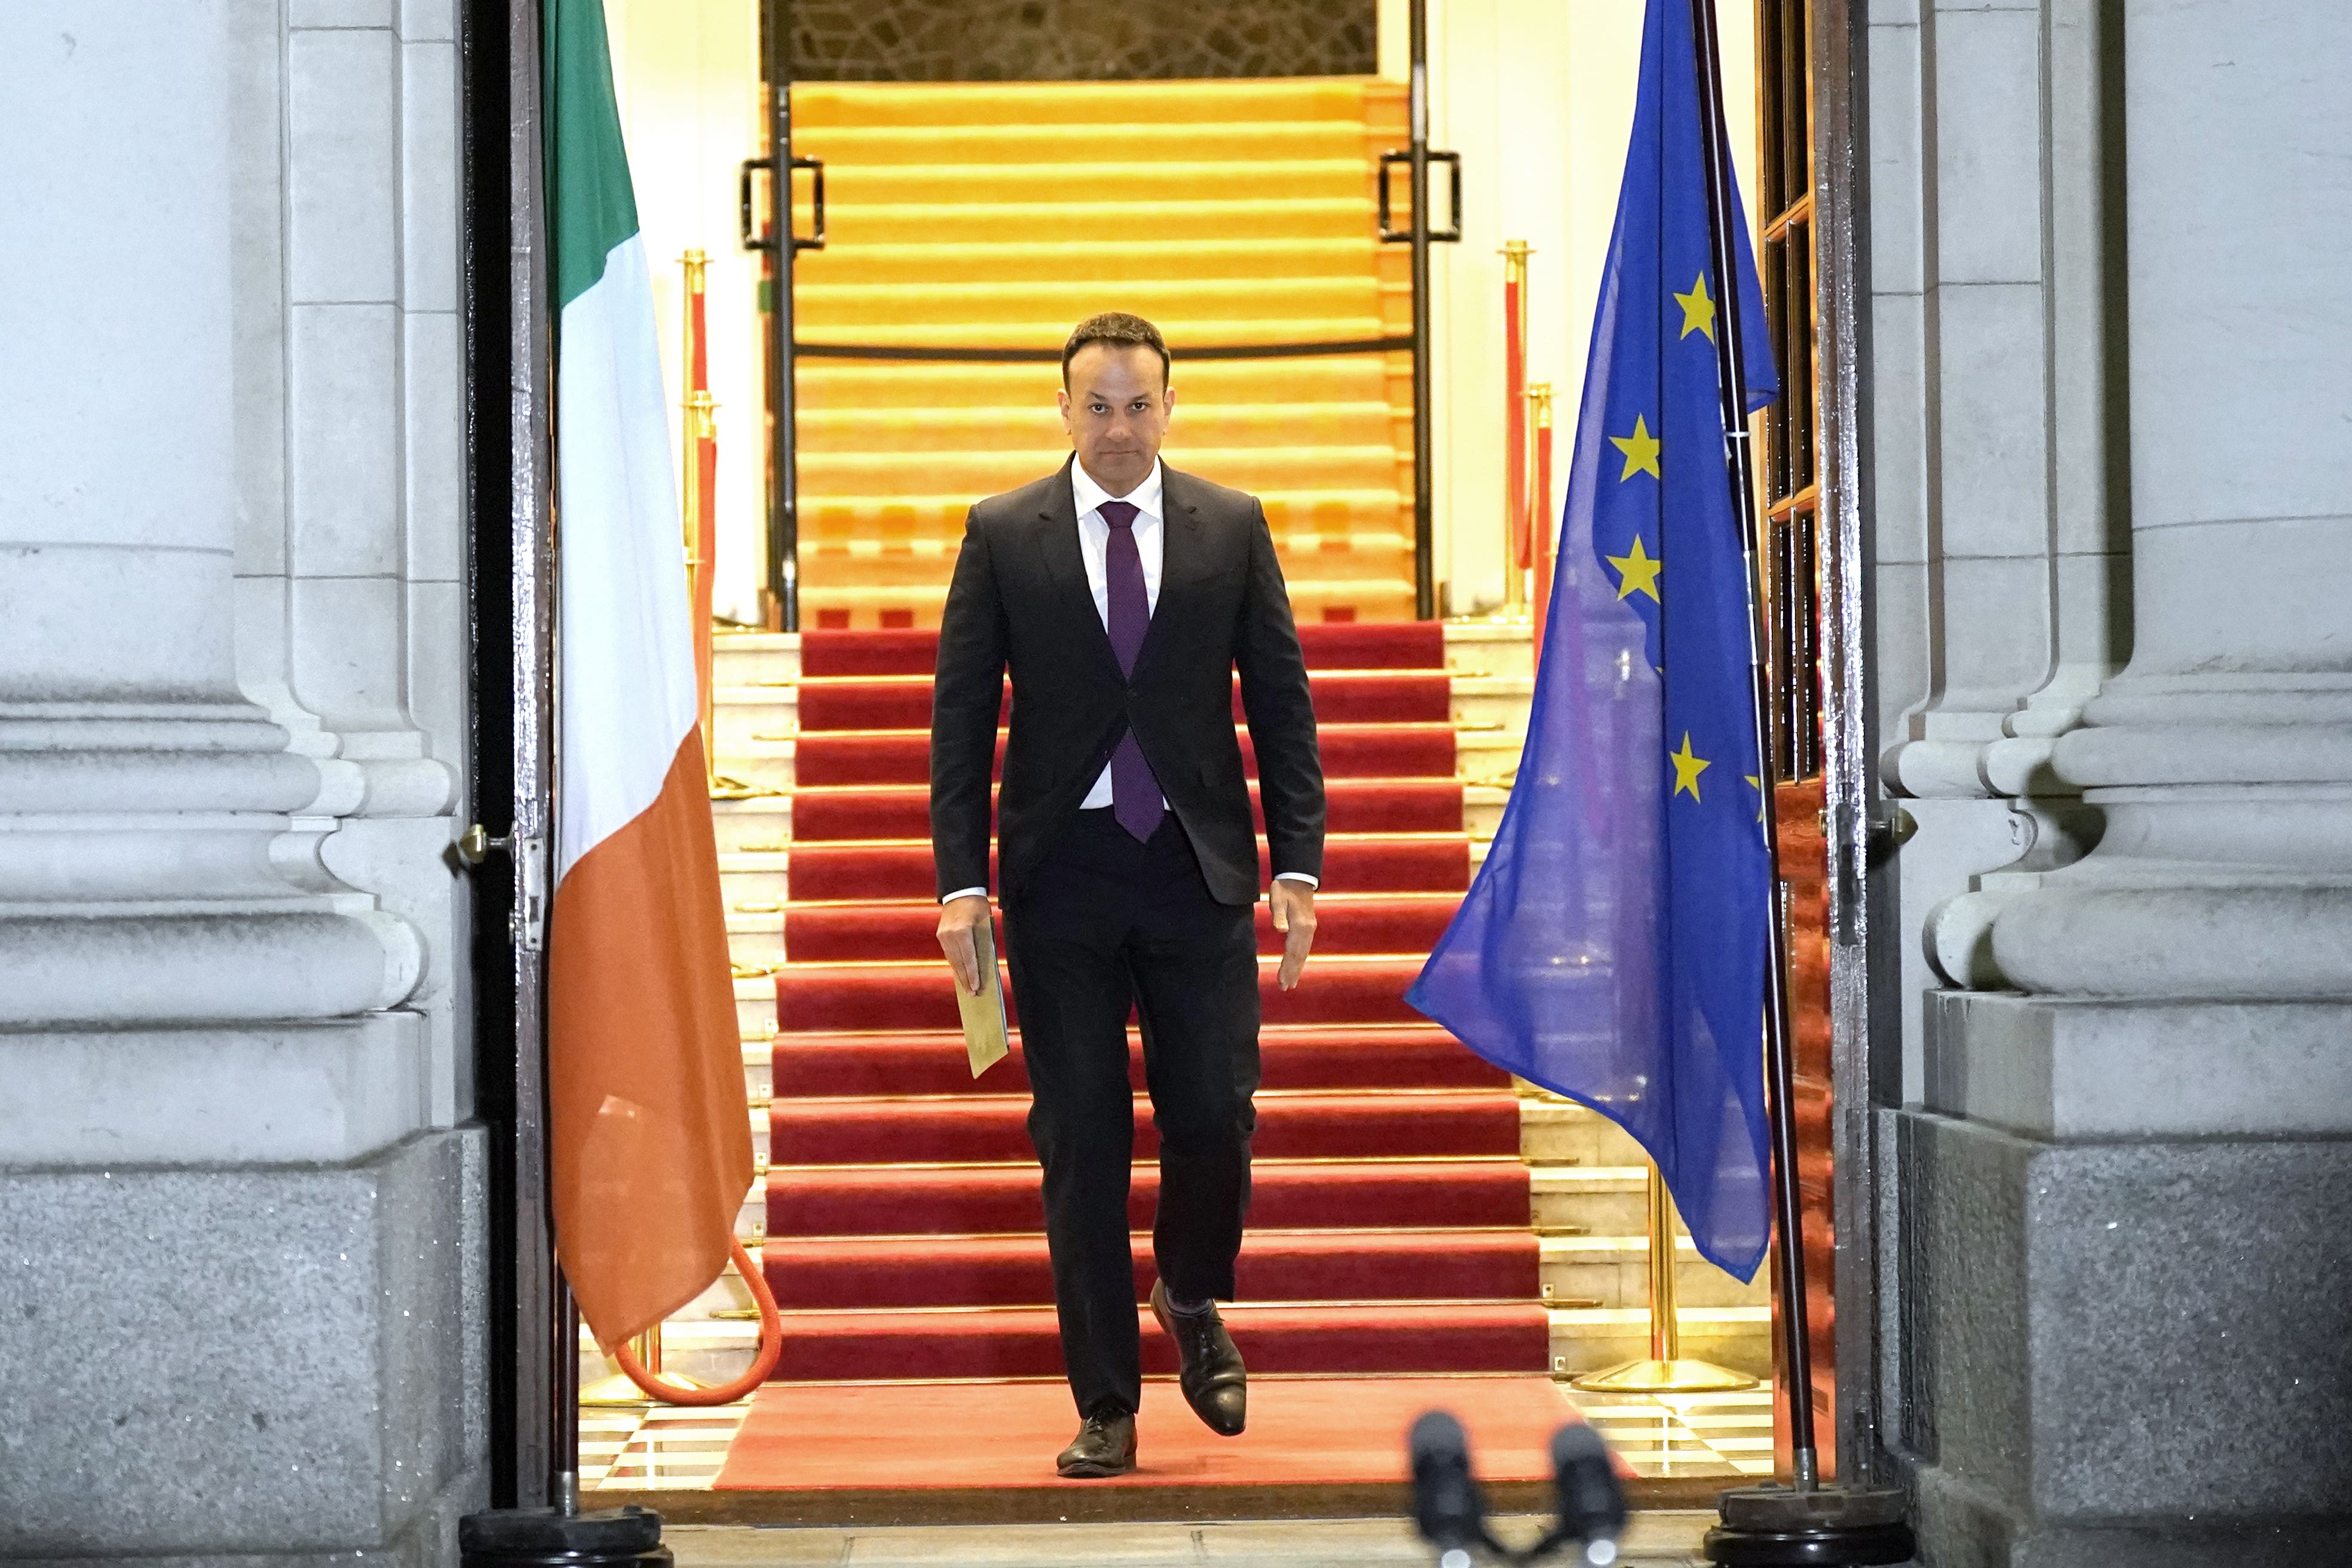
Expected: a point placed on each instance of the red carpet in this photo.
(868, 757)
(850, 930)
(904, 701)
(1305, 1432)
(959, 1201)
(1390, 1223)
(901, 869)
(1350, 1055)
(1355, 806)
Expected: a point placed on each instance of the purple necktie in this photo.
(1134, 793)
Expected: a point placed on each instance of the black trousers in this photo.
(1102, 927)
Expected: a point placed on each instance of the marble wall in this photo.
(2109, 334)
(239, 1190)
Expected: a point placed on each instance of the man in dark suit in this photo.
(1123, 595)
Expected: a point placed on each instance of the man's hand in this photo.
(1294, 917)
(959, 918)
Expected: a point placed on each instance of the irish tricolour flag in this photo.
(651, 1142)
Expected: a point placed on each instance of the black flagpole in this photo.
(1787, 1211)
(1813, 1524)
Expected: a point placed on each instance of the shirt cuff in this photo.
(961, 893)
(1296, 877)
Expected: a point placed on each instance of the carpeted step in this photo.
(1345, 922)
(1405, 645)
(1276, 180)
(1035, 426)
(1362, 594)
(1257, 469)
(851, 388)
(1350, 751)
(948, 108)
(1365, 862)
(1430, 1123)
(1226, 218)
(1238, 140)
(808, 1272)
(969, 1200)
(1350, 804)
(1335, 1056)
(1341, 697)
(1339, 988)
(908, 542)
(1024, 1342)
(993, 260)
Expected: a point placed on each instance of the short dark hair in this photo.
(1119, 330)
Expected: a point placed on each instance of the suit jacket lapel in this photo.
(1181, 556)
(1057, 540)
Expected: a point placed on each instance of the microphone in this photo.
(1591, 1498)
(1447, 1505)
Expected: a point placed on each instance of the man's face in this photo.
(1116, 408)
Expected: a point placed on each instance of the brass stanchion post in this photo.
(1539, 529)
(1665, 1371)
(1514, 255)
(621, 1389)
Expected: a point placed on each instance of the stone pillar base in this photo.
(277, 1364)
(2125, 1337)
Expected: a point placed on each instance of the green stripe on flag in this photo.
(591, 205)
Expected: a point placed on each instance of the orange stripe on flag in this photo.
(650, 1130)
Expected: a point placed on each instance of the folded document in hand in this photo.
(983, 1015)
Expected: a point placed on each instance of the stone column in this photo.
(2124, 1198)
(2221, 758)
(236, 1321)
(1997, 516)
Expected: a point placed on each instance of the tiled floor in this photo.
(1653, 1541)
(1699, 1436)
(1686, 1434)
(664, 1448)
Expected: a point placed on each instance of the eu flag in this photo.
(1611, 948)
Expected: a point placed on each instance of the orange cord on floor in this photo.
(772, 1345)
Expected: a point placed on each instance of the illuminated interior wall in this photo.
(688, 74)
(1538, 97)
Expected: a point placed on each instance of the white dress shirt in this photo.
(1094, 546)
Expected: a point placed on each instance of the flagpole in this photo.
(1811, 1523)
(1796, 1343)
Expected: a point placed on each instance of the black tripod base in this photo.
(542, 1538)
(1826, 1527)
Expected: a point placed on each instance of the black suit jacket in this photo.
(1020, 602)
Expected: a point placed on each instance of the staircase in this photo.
(1390, 1209)
(1414, 1210)
(998, 216)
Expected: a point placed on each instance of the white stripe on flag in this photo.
(627, 692)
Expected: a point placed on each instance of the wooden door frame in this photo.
(511, 616)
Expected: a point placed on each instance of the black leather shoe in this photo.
(1214, 1384)
(1105, 1445)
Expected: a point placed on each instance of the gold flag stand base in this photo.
(619, 1390)
(1665, 1369)
(1664, 1377)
